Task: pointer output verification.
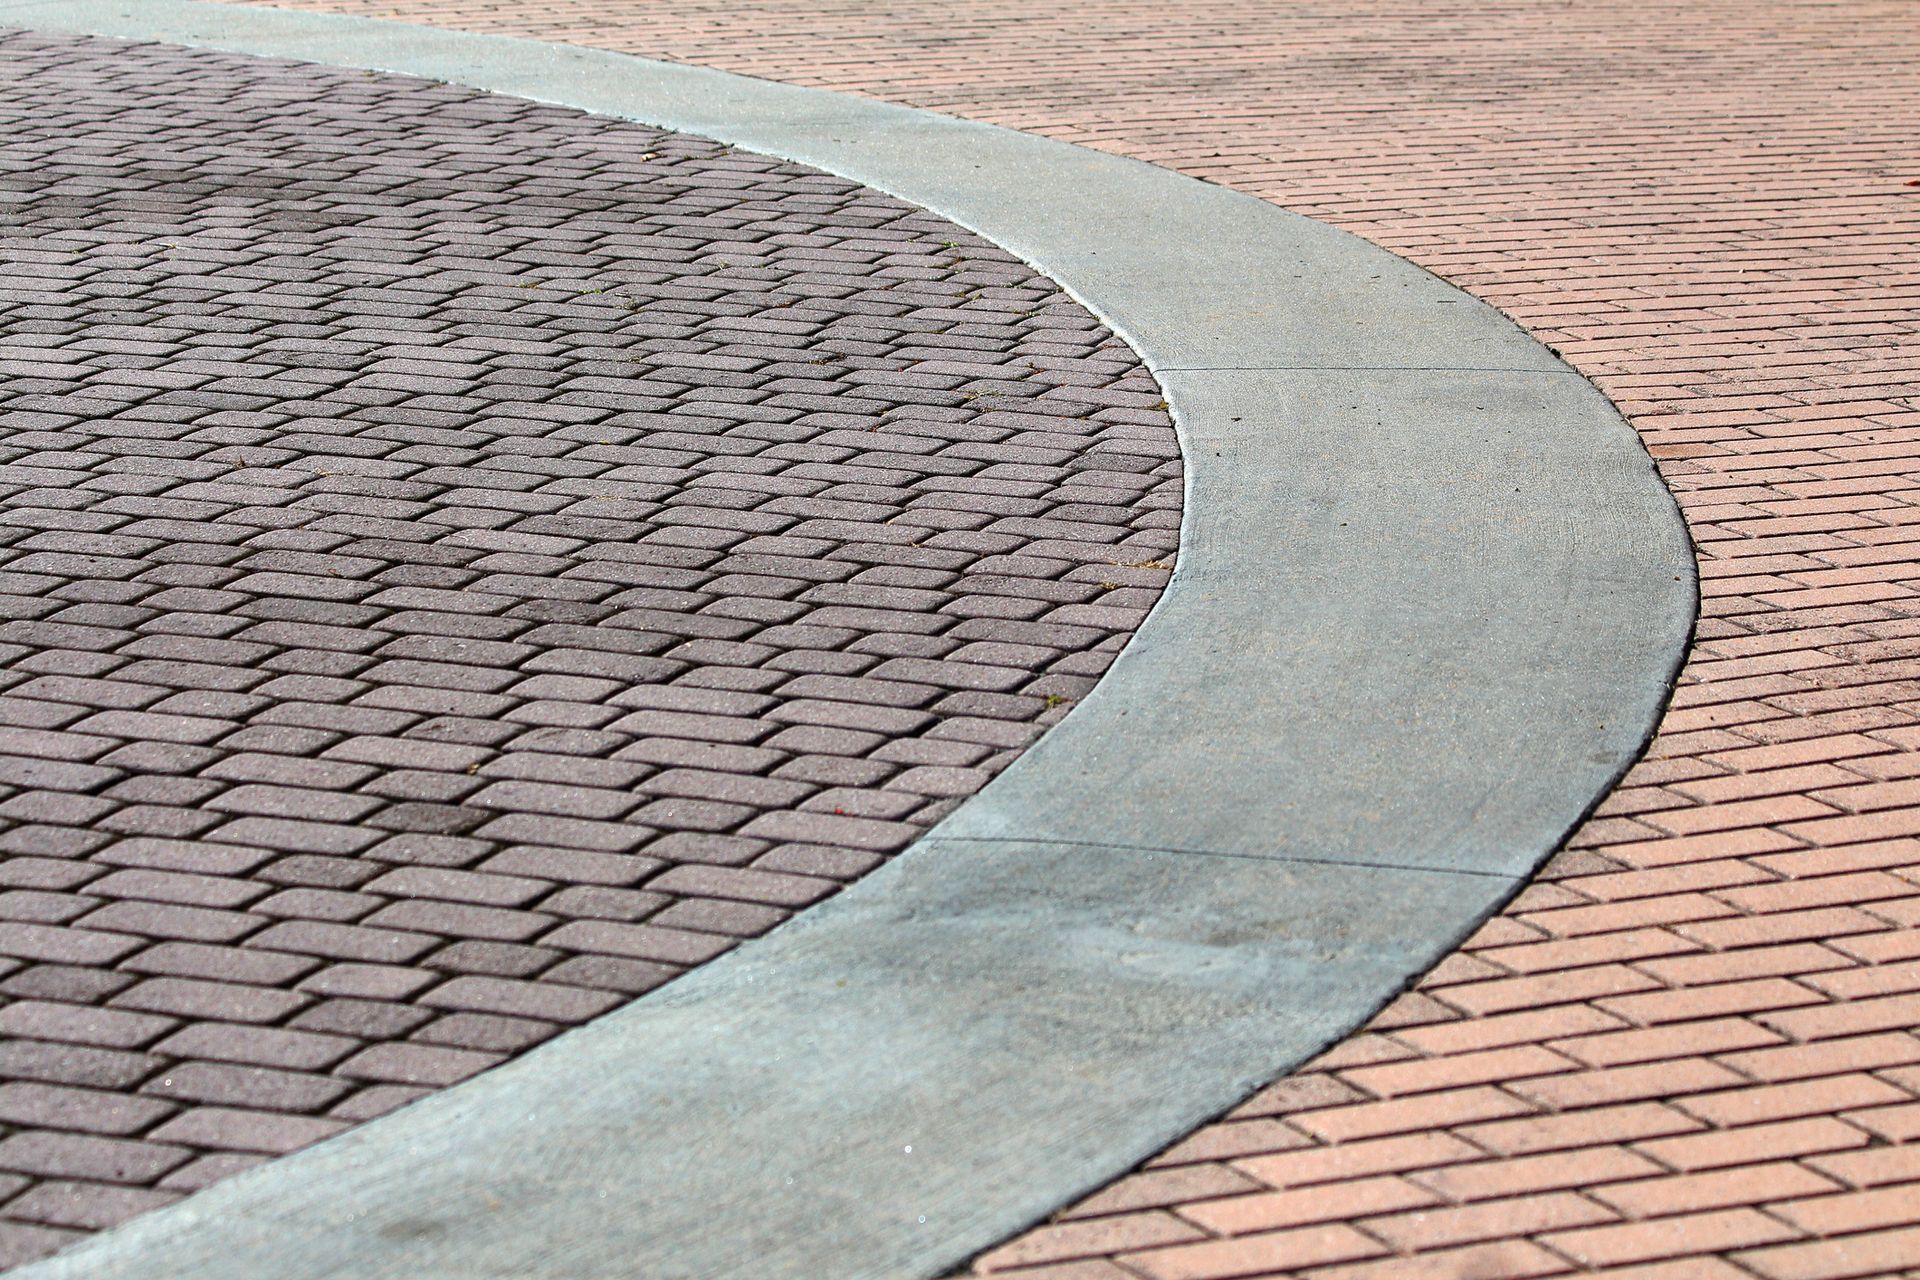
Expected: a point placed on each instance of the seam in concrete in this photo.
(1218, 853)
(1363, 368)
(1428, 606)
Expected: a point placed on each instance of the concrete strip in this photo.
(1430, 598)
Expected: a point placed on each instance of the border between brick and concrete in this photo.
(1430, 599)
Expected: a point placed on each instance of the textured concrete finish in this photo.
(1335, 704)
(1115, 996)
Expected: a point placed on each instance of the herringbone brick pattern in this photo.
(1690, 1051)
(466, 562)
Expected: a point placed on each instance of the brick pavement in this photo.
(465, 563)
(1689, 1051)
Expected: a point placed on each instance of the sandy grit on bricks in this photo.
(469, 562)
(1702, 207)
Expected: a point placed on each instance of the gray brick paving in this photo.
(465, 562)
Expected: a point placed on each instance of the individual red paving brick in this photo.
(1790, 959)
(1575, 1129)
(1254, 1254)
(1099, 1236)
(1231, 1139)
(1819, 1022)
(1305, 1091)
(1788, 1139)
(1432, 1229)
(1886, 977)
(1874, 1253)
(1531, 1026)
(442, 689)
(1379, 1119)
(1153, 1188)
(1787, 1101)
(1239, 1215)
(1422, 1075)
(1499, 995)
(1659, 1238)
(1655, 1197)
(1500, 1260)
(1889, 1124)
(1659, 1044)
(1872, 1167)
(1638, 1082)
(1322, 1164)
(1558, 1170)
(1574, 953)
(1848, 1212)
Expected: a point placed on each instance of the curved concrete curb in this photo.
(1430, 598)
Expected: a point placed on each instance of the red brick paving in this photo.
(464, 563)
(1688, 1052)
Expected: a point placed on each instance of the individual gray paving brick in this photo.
(485, 1032)
(459, 886)
(740, 883)
(194, 856)
(79, 1024)
(227, 1084)
(363, 1019)
(376, 1100)
(75, 1065)
(229, 964)
(30, 1104)
(315, 903)
(225, 1001)
(167, 920)
(43, 839)
(208, 1169)
(461, 576)
(477, 994)
(74, 984)
(88, 1205)
(257, 1046)
(232, 1129)
(22, 1242)
(42, 906)
(500, 959)
(176, 887)
(343, 942)
(51, 1154)
(416, 1064)
(29, 941)
(462, 920)
(713, 915)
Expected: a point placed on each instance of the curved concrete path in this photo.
(1429, 600)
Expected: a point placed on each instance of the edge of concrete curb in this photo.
(1430, 601)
